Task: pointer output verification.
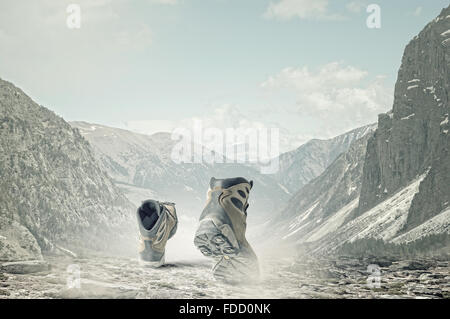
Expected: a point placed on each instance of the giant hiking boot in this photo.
(221, 232)
(157, 223)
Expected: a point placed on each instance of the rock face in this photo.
(324, 204)
(141, 165)
(413, 138)
(302, 165)
(24, 267)
(51, 183)
(16, 242)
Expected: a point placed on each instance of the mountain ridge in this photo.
(144, 161)
(308, 161)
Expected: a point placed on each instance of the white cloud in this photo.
(335, 97)
(303, 9)
(328, 101)
(332, 74)
(220, 117)
(417, 12)
(355, 6)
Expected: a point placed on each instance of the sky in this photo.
(313, 69)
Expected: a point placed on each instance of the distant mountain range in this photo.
(305, 163)
(143, 163)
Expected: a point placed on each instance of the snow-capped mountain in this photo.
(327, 200)
(53, 193)
(142, 166)
(397, 189)
(308, 161)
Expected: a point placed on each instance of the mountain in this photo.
(305, 163)
(402, 176)
(413, 139)
(324, 204)
(142, 166)
(53, 193)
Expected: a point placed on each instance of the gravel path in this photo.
(105, 277)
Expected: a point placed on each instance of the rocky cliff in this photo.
(413, 138)
(51, 185)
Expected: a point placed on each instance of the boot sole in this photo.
(216, 241)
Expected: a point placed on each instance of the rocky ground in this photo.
(293, 277)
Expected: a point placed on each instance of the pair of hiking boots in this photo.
(220, 234)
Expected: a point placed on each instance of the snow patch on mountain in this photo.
(332, 223)
(387, 218)
(437, 225)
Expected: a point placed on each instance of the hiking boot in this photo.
(157, 223)
(221, 232)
